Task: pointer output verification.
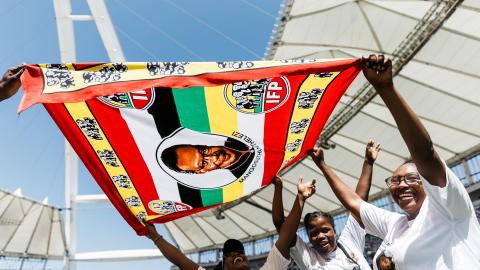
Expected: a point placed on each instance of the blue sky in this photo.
(32, 147)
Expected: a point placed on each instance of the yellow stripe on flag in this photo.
(295, 140)
(80, 111)
(222, 117)
(233, 191)
(223, 120)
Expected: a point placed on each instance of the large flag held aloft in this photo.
(168, 139)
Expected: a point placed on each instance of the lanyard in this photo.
(357, 267)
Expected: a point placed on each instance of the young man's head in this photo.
(321, 231)
(199, 159)
(233, 256)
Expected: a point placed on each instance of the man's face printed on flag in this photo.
(206, 160)
(199, 159)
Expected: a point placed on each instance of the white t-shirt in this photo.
(352, 239)
(275, 261)
(444, 235)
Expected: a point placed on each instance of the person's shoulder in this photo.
(275, 260)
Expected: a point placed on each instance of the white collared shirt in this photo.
(444, 235)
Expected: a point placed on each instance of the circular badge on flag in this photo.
(167, 207)
(139, 99)
(257, 96)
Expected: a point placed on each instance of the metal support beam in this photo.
(464, 155)
(106, 30)
(408, 48)
(118, 255)
(277, 32)
(93, 198)
(79, 18)
(254, 204)
(66, 40)
(71, 190)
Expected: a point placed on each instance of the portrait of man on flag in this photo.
(234, 156)
(206, 160)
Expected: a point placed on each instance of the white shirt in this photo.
(275, 261)
(444, 235)
(352, 239)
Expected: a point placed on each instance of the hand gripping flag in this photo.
(168, 139)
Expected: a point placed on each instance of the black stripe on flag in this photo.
(190, 196)
(164, 112)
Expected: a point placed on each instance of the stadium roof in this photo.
(435, 46)
(29, 229)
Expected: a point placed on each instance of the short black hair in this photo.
(232, 245)
(313, 215)
(170, 158)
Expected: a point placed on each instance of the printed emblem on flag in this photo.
(140, 99)
(257, 96)
(167, 207)
(184, 137)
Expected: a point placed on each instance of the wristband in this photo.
(156, 239)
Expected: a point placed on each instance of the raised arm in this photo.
(347, 196)
(287, 233)
(278, 215)
(378, 72)
(170, 252)
(365, 180)
(10, 82)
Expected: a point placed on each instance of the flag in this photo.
(169, 139)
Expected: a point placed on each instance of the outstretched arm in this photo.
(10, 82)
(347, 196)
(287, 233)
(379, 73)
(170, 252)
(277, 204)
(365, 180)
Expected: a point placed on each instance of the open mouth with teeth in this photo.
(324, 246)
(405, 196)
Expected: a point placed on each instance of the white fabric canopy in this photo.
(29, 229)
(440, 83)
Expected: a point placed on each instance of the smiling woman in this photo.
(406, 189)
(439, 229)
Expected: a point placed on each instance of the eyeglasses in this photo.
(409, 178)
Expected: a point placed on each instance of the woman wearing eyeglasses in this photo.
(326, 249)
(439, 229)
